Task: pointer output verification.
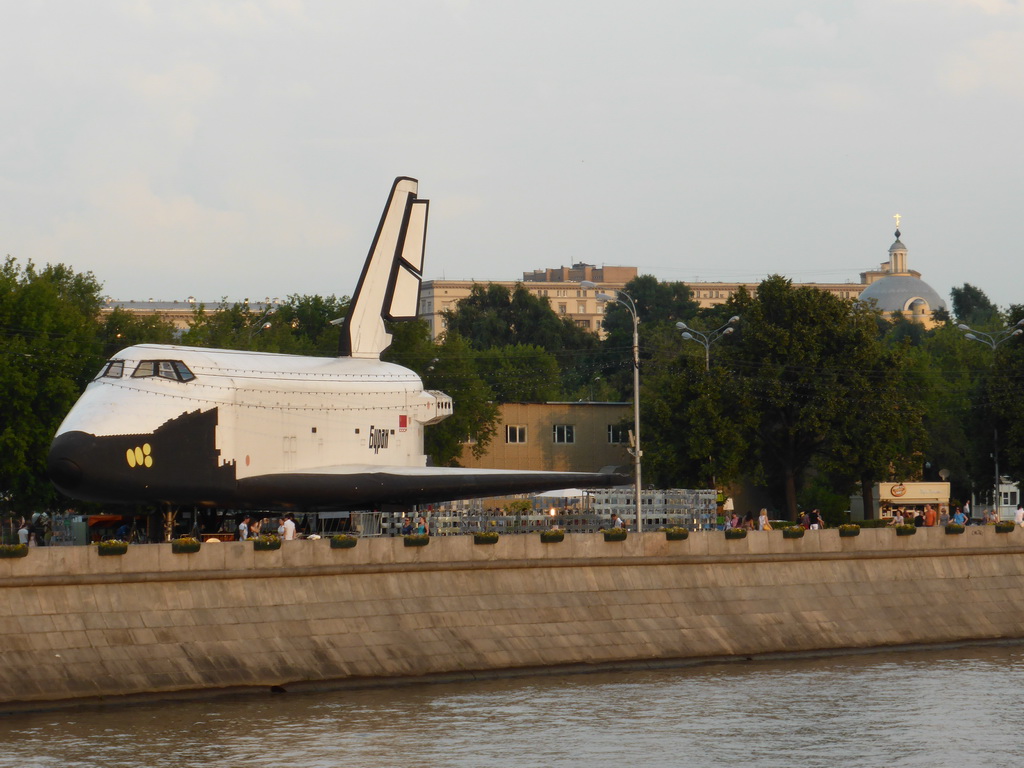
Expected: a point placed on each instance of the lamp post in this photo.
(623, 298)
(993, 340)
(706, 340)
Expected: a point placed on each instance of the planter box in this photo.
(185, 548)
(265, 546)
(954, 529)
(14, 550)
(112, 551)
(343, 542)
(847, 532)
(677, 535)
(485, 538)
(619, 535)
(905, 530)
(793, 532)
(416, 540)
(1005, 527)
(735, 533)
(552, 537)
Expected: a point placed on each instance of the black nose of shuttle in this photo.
(64, 472)
(63, 462)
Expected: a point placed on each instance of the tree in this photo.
(519, 373)
(301, 325)
(474, 414)
(883, 435)
(51, 349)
(800, 357)
(492, 316)
(971, 306)
(121, 328)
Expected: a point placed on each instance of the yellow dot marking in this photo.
(139, 458)
(130, 455)
(149, 461)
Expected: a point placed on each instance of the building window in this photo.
(618, 434)
(583, 324)
(515, 433)
(564, 433)
(581, 309)
(562, 309)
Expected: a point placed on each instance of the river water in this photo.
(935, 708)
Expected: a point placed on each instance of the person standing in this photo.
(1018, 516)
(422, 528)
(617, 521)
(289, 527)
(762, 521)
(960, 518)
(243, 529)
(929, 516)
(23, 532)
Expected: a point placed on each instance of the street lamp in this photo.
(707, 339)
(993, 340)
(623, 298)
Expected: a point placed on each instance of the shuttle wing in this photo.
(360, 487)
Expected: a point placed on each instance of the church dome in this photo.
(901, 293)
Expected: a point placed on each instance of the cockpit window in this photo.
(184, 374)
(175, 370)
(112, 369)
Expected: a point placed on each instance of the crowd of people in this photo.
(253, 529)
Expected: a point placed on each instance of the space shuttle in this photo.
(188, 426)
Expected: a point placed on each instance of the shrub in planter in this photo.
(793, 532)
(676, 534)
(849, 529)
(954, 528)
(112, 547)
(485, 537)
(905, 530)
(417, 539)
(614, 534)
(552, 537)
(13, 550)
(266, 542)
(343, 541)
(737, 533)
(1005, 526)
(185, 545)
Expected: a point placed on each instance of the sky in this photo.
(245, 149)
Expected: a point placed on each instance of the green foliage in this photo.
(121, 328)
(51, 349)
(519, 373)
(475, 415)
(972, 307)
(301, 325)
(492, 317)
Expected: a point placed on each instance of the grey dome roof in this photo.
(897, 292)
(897, 246)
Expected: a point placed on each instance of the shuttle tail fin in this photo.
(389, 286)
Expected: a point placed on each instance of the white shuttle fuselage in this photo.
(165, 424)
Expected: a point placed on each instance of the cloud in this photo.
(806, 30)
(992, 62)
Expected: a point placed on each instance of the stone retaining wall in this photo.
(75, 626)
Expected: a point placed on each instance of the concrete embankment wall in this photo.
(74, 625)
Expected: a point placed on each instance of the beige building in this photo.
(178, 313)
(561, 287)
(558, 437)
